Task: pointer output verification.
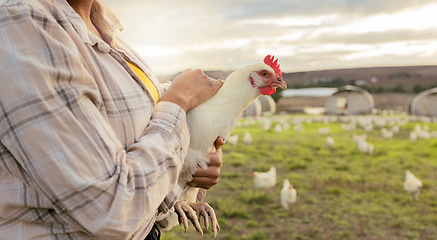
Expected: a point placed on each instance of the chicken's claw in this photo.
(186, 212)
(205, 211)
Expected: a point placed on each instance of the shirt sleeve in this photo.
(66, 150)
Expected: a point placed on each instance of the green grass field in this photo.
(342, 193)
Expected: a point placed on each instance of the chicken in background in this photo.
(362, 144)
(412, 185)
(425, 127)
(413, 136)
(357, 138)
(233, 140)
(348, 127)
(368, 127)
(286, 126)
(380, 122)
(395, 129)
(265, 180)
(386, 133)
(278, 128)
(329, 141)
(247, 139)
(288, 195)
(298, 128)
(422, 133)
(217, 118)
(365, 147)
(323, 130)
(265, 123)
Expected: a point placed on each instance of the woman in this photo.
(91, 146)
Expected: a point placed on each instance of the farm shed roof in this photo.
(424, 104)
(254, 109)
(263, 105)
(349, 100)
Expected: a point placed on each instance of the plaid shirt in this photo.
(84, 153)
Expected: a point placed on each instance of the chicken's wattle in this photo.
(267, 90)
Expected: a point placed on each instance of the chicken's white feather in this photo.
(412, 185)
(288, 195)
(265, 180)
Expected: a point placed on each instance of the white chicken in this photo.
(425, 128)
(368, 127)
(348, 127)
(233, 140)
(288, 195)
(365, 147)
(266, 124)
(329, 141)
(217, 118)
(413, 136)
(395, 129)
(286, 126)
(412, 185)
(357, 138)
(380, 122)
(247, 139)
(278, 128)
(386, 133)
(323, 130)
(265, 180)
(298, 128)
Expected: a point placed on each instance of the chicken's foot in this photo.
(194, 212)
(186, 212)
(207, 213)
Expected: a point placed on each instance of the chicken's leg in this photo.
(205, 211)
(186, 212)
(194, 211)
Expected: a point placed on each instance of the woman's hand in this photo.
(206, 178)
(191, 88)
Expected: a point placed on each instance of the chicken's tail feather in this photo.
(193, 160)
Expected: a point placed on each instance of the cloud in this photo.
(249, 9)
(312, 34)
(371, 38)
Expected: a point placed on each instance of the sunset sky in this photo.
(172, 35)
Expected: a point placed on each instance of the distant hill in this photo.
(375, 79)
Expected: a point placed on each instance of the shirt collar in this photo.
(105, 20)
(102, 17)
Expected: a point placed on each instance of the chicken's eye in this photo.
(264, 73)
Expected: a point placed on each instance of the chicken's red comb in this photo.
(274, 64)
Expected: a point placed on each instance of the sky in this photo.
(305, 35)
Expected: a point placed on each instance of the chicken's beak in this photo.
(280, 83)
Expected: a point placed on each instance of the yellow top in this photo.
(146, 81)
